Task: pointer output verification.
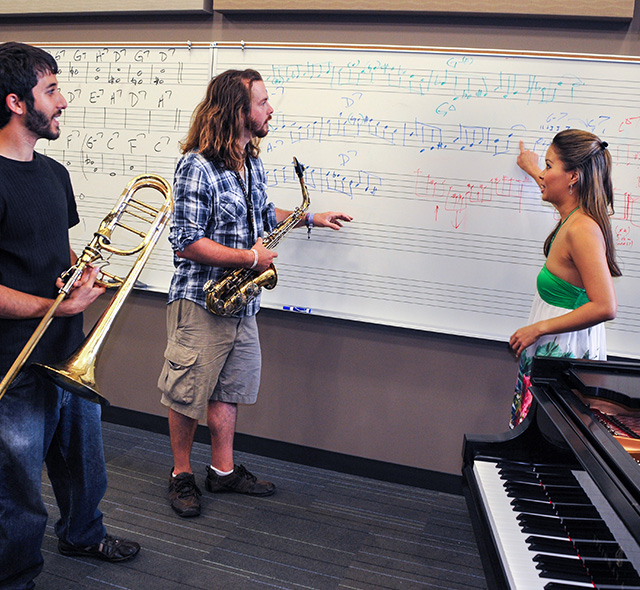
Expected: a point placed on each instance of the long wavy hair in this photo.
(218, 122)
(585, 153)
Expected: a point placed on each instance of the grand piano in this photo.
(555, 503)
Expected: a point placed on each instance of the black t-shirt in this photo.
(37, 208)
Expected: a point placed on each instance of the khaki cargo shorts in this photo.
(208, 358)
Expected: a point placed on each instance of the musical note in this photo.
(418, 145)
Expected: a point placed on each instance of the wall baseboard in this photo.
(380, 470)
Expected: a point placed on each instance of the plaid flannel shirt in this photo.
(209, 203)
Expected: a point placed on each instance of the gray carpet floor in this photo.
(322, 530)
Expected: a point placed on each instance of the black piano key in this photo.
(552, 468)
(566, 534)
(525, 488)
(540, 526)
(600, 571)
(565, 482)
(535, 519)
(559, 494)
(580, 524)
(612, 572)
(599, 549)
(576, 510)
(530, 478)
(544, 478)
(546, 545)
(597, 531)
(535, 529)
(563, 574)
(578, 528)
(533, 507)
(584, 549)
(574, 572)
(549, 508)
(522, 478)
(562, 568)
(525, 491)
(588, 530)
(591, 538)
(545, 482)
(568, 498)
(522, 481)
(550, 478)
(560, 470)
(516, 465)
(537, 470)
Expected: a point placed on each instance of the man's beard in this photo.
(37, 122)
(259, 130)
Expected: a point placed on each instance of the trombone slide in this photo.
(76, 374)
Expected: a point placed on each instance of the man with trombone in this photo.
(213, 362)
(39, 422)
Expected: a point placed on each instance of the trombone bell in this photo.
(76, 373)
(70, 379)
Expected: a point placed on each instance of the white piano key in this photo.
(515, 555)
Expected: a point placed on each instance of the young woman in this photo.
(575, 292)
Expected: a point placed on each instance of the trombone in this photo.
(76, 374)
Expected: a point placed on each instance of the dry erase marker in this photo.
(295, 308)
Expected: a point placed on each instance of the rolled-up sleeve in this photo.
(193, 203)
(269, 218)
(268, 209)
(209, 202)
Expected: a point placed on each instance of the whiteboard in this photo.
(418, 144)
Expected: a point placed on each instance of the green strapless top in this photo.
(558, 292)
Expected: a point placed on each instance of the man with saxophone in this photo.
(38, 421)
(212, 363)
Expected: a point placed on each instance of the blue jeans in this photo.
(39, 423)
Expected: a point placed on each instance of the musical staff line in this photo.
(418, 146)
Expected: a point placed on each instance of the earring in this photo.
(570, 189)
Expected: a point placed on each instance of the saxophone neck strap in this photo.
(248, 197)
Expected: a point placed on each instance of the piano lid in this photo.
(619, 387)
(618, 382)
(561, 386)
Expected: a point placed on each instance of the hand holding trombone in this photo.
(76, 374)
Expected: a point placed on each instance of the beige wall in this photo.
(567, 35)
(372, 391)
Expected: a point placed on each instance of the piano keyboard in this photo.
(553, 529)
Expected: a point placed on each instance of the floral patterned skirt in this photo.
(589, 343)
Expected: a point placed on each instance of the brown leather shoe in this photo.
(184, 494)
(109, 549)
(240, 481)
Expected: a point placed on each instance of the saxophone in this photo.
(236, 288)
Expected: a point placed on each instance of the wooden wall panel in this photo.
(591, 9)
(42, 7)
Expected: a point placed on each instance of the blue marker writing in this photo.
(297, 309)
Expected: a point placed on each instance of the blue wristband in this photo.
(309, 223)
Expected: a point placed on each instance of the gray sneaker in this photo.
(240, 481)
(184, 494)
